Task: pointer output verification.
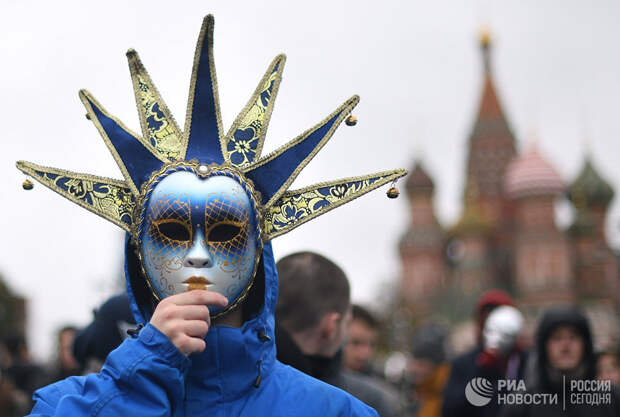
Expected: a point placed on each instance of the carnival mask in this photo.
(199, 233)
(501, 329)
(200, 202)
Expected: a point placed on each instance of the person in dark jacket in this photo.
(428, 369)
(564, 358)
(312, 319)
(105, 333)
(65, 364)
(485, 360)
(25, 374)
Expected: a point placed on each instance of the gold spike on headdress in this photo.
(244, 141)
(158, 125)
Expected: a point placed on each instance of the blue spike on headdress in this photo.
(203, 125)
(275, 173)
(133, 156)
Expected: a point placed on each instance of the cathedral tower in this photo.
(542, 269)
(421, 247)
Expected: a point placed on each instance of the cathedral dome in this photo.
(531, 174)
(590, 188)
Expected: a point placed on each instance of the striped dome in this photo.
(531, 174)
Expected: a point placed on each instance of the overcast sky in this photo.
(415, 64)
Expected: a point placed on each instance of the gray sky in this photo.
(415, 64)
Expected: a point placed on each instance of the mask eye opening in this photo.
(223, 232)
(173, 230)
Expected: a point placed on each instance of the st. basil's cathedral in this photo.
(507, 236)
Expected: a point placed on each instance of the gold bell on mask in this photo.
(393, 192)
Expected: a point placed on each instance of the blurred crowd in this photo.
(321, 333)
(78, 352)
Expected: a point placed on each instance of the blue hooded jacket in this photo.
(236, 375)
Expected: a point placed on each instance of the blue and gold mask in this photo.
(200, 202)
(200, 231)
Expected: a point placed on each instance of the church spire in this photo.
(491, 143)
(485, 46)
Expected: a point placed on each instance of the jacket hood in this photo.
(235, 359)
(551, 320)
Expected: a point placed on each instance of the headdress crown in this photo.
(203, 139)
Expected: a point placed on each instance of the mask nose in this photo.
(198, 256)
